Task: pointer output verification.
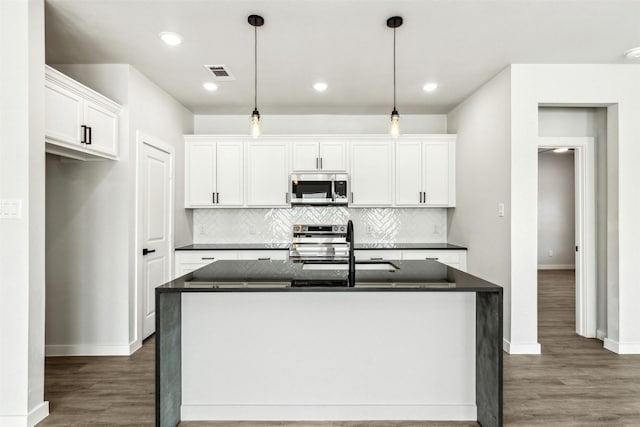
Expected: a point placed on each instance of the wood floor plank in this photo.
(575, 382)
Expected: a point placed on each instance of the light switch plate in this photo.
(10, 208)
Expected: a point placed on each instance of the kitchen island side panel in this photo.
(328, 356)
(168, 358)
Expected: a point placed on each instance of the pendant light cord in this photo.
(255, 67)
(394, 69)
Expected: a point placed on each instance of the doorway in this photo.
(154, 259)
(583, 152)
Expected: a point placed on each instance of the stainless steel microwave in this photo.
(319, 189)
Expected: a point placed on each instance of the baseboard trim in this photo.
(34, 416)
(600, 334)
(134, 346)
(330, 412)
(622, 347)
(87, 350)
(511, 348)
(38, 414)
(557, 267)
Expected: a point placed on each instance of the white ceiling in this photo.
(459, 44)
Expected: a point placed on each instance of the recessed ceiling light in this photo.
(172, 39)
(561, 150)
(430, 87)
(633, 53)
(210, 86)
(320, 86)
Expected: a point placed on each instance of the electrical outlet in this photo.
(369, 229)
(500, 209)
(252, 229)
(436, 229)
(201, 229)
(550, 252)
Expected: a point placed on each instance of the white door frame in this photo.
(141, 139)
(586, 288)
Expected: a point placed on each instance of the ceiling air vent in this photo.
(220, 72)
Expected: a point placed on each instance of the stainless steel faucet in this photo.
(352, 257)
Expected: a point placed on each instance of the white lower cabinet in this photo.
(189, 260)
(453, 258)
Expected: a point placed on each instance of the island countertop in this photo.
(292, 276)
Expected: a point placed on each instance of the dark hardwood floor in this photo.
(575, 382)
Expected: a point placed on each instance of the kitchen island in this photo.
(280, 340)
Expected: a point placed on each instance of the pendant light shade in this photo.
(394, 128)
(255, 21)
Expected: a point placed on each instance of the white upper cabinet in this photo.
(425, 172)
(371, 173)
(79, 122)
(320, 156)
(214, 173)
(268, 173)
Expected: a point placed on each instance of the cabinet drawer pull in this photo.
(432, 259)
(264, 259)
(376, 258)
(204, 258)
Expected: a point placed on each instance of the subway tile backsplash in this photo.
(371, 225)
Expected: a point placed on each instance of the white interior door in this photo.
(156, 228)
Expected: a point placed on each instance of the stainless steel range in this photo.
(319, 243)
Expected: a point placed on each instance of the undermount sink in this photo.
(363, 266)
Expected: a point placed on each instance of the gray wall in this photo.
(556, 213)
(483, 167)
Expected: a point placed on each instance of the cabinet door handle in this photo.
(84, 135)
(205, 258)
(147, 251)
(420, 196)
(213, 198)
(218, 198)
(90, 138)
(320, 162)
(424, 197)
(352, 197)
(317, 164)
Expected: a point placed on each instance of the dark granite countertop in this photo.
(279, 276)
(285, 246)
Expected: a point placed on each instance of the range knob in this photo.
(342, 228)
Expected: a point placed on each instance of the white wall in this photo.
(617, 87)
(91, 223)
(587, 122)
(482, 124)
(319, 124)
(556, 210)
(22, 239)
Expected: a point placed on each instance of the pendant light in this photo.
(394, 128)
(256, 21)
